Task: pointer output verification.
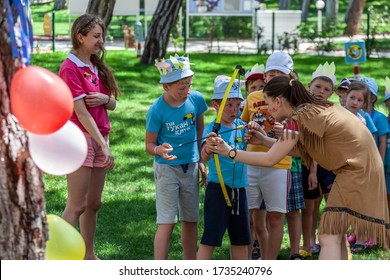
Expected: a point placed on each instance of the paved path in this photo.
(239, 47)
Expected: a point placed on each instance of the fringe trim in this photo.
(340, 220)
(308, 139)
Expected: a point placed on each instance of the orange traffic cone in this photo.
(139, 54)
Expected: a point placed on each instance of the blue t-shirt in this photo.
(381, 124)
(229, 168)
(177, 125)
(369, 122)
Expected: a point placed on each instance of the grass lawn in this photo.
(126, 224)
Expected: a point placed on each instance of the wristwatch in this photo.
(232, 153)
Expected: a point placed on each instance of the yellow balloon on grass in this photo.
(65, 242)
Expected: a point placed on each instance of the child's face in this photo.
(274, 73)
(255, 85)
(355, 101)
(179, 91)
(321, 89)
(230, 111)
(341, 92)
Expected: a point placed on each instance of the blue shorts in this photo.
(218, 217)
(325, 181)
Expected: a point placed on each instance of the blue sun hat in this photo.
(220, 85)
(173, 69)
(280, 61)
(372, 85)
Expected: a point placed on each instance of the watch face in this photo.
(232, 153)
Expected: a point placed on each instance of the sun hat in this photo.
(325, 70)
(220, 85)
(173, 69)
(387, 91)
(345, 83)
(257, 72)
(372, 85)
(280, 61)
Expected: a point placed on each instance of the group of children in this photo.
(248, 201)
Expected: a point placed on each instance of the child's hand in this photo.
(163, 151)
(256, 126)
(203, 173)
(215, 144)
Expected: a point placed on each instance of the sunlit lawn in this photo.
(126, 223)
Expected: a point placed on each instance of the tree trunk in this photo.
(332, 11)
(23, 226)
(284, 4)
(355, 10)
(102, 8)
(164, 18)
(305, 10)
(59, 4)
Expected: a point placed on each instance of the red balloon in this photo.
(40, 100)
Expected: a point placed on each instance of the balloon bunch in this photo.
(43, 104)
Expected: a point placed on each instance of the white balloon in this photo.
(61, 152)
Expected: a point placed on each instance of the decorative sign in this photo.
(355, 52)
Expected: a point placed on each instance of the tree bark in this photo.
(284, 4)
(157, 39)
(355, 10)
(305, 10)
(102, 8)
(23, 226)
(332, 11)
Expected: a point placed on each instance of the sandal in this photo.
(297, 257)
(304, 253)
(315, 249)
(355, 248)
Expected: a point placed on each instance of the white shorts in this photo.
(268, 183)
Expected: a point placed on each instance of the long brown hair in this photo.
(292, 90)
(83, 25)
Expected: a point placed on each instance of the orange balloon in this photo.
(40, 100)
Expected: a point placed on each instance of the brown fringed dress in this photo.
(340, 142)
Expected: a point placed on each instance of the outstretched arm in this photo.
(267, 159)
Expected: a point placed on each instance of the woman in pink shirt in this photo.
(94, 92)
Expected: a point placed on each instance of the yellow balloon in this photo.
(65, 242)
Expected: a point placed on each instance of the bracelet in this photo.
(155, 150)
(109, 99)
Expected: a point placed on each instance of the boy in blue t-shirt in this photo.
(174, 118)
(218, 216)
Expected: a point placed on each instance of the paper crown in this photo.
(173, 69)
(220, 85)
(326, 70)
(257, 72)
(387, 89)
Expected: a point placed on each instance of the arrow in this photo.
(239, 127)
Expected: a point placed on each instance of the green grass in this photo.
(126, 224)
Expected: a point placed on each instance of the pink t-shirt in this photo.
(83, 79)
